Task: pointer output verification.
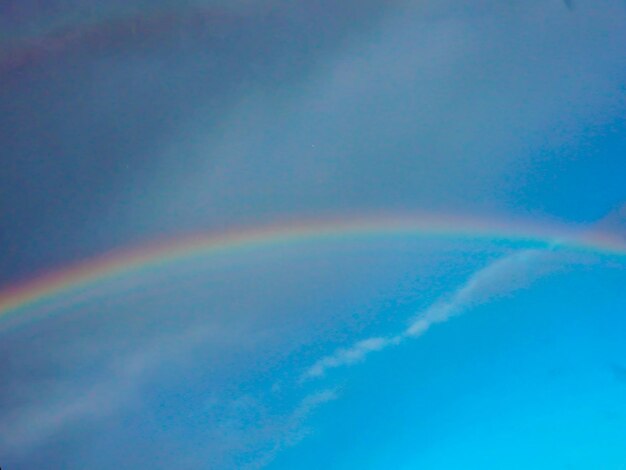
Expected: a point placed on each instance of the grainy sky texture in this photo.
(127, 123)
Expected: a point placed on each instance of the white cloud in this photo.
(356, 353)
(71, 400)
(248, 432)
(69, 403)
(499, 278)
(291, 429)
(400, 116)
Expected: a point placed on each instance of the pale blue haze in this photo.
(126, 122)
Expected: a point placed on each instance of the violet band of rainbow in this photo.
(84, 274)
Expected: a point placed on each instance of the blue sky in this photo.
(523, 389)
(379, 353)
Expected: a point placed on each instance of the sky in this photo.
(490, 335)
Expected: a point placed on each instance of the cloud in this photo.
(292, 428)
(400, 116)
(258, 441)
(245, 431)
(499, 278)
(34, 423)
(115, 387)
(354, 354)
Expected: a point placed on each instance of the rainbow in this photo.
(104, 30)
(90, 30)
(114, 265)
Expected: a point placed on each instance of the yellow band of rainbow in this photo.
(84, 274)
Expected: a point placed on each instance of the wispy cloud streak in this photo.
(497, 279)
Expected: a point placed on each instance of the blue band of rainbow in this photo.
(29, 294)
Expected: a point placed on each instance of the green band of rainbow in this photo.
(29, 294)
